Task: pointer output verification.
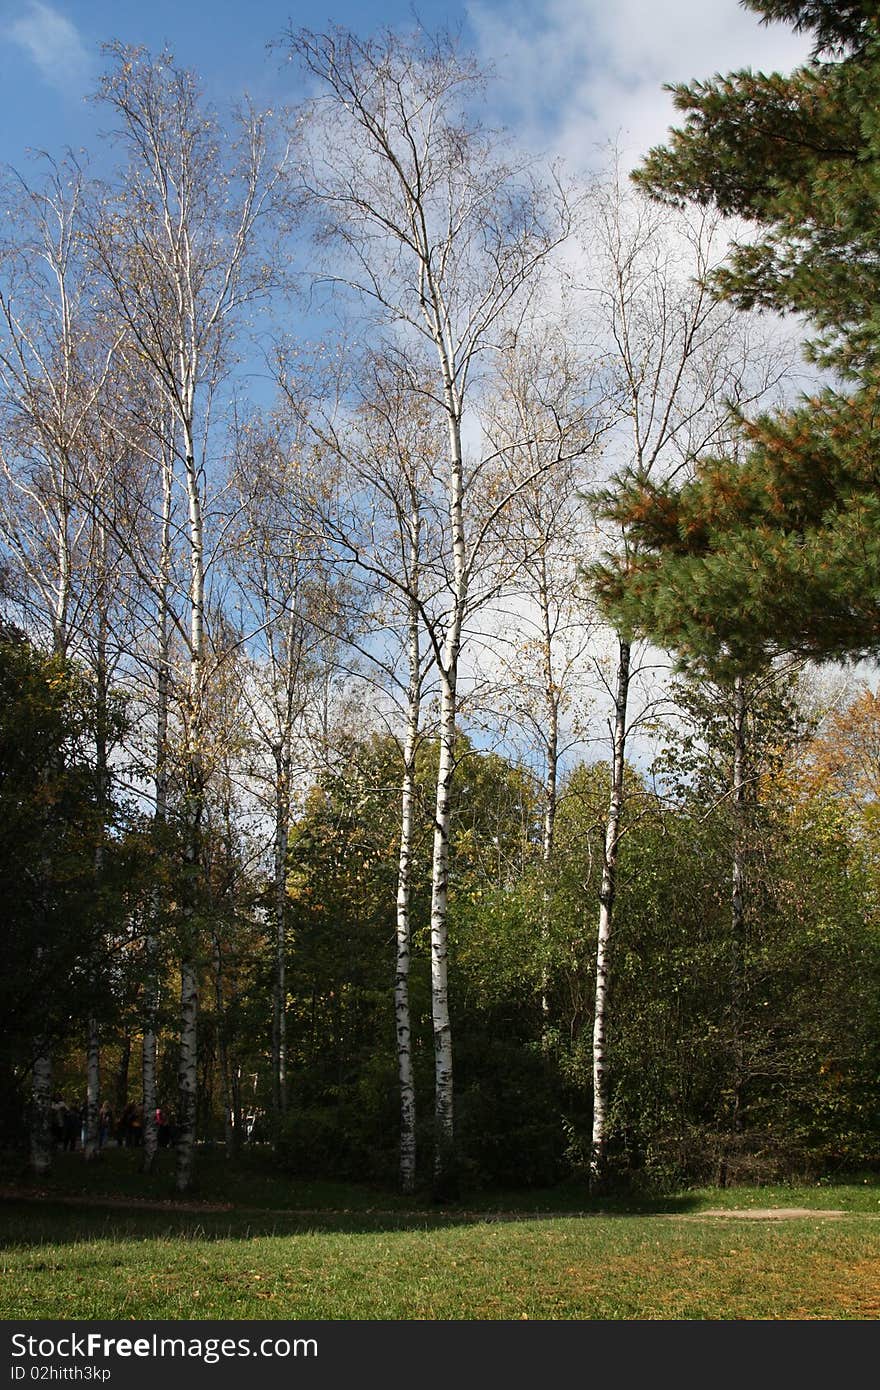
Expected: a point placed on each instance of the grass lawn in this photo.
(272, 1248)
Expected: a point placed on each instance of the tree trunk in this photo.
(444, 1175)
(607, 894)
(121, 1096)
(445, 1180)
(551, 774)
(195, 792)
(187, 1076)
(404, 931)
(41, 1109)
(149, 1054)
(91, 1146)
(737, 913)
(279, 1001)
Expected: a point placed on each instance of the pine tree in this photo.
(778, 553)
(777, 549)
(798, 156)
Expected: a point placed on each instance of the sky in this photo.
(571, 75)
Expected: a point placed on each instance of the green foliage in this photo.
(834, 22)
(523, 1096)
(789, 1010)
(346, 1131)
(797, 155)
(508, 1108)
(75, 871)
(342, 876)
(776, 551)
(49, 829)
(777, 554)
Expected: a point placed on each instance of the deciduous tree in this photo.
(443, 239)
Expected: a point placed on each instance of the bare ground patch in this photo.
(759, 1213)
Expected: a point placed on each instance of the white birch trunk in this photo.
(149, 1054)
(444, 1133)
(443, 1074)
(607, 894)
(187, 1076)
(279, 1010)
(91, 1148)
(189, 1000)
(551, 775)
(404, 874)
(737, 911)
(41, 1112)
(196, 276)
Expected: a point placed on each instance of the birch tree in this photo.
(161, 569)
(55, 362)
(382, 522)
(443, 239)
(683, 364)
(547, 416)
(285, 603)
(176, 249)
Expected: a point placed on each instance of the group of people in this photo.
(68, 1125)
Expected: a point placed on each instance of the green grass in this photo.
(322, 1250)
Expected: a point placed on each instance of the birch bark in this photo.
(149, 1049)
(93, 1090)
(444, 1140)
(378, 521)
(607, 895)
(194, 794)
(403, 1024)
(283, 762)
(279, 574)
(41, 1109)
(737, 907)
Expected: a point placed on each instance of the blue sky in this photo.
(571, 73)
(50, 54)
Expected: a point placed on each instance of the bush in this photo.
(509, 1124)
(348, 1132)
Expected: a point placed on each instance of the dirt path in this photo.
(763, 1213)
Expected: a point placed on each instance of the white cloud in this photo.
(53, 44)
(575, 74)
